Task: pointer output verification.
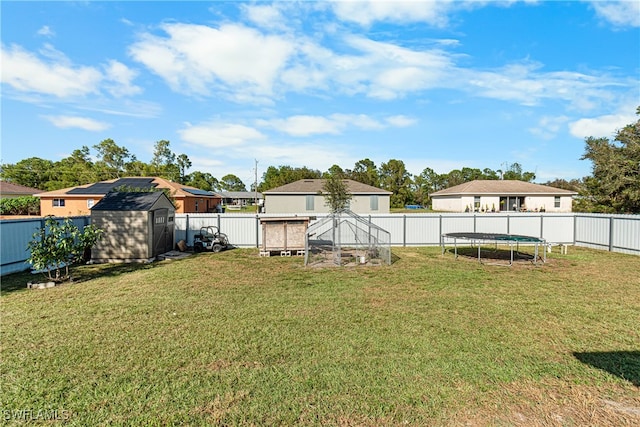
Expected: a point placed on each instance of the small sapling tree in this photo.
(58, 245)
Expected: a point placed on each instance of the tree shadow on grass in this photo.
(79, 273)
(624, 364)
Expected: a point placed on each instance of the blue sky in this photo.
(438, 84)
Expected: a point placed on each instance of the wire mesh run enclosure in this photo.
(346, 239)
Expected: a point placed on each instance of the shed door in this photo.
(162, 232)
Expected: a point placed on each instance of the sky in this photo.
(239, 86)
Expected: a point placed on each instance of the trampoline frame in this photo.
(513, 240)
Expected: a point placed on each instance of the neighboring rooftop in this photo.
(239, 194)
(104, 187)
(314, 186)
(11, 189)
(502, 187)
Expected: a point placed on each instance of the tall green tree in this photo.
(366, 172)
(203, 181)
(111, 159)
(427, 182)
(276, 176)
(614, 185)
(33, 172)
(77, 169)
(231, 182)
(183, 164)
(336, 192)
(163, 162)
(515, 172)
(395, 178)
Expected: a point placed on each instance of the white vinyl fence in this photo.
(617, 233)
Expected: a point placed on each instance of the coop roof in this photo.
(315, 186)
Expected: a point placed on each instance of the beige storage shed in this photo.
(137, 227)
(285, 235)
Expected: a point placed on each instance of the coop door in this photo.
(162, 235)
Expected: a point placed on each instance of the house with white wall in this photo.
(500, 196)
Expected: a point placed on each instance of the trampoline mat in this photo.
(495, 237)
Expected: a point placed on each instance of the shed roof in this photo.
(315, 186)
(502, 187)
(136, 201)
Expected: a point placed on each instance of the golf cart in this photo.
(210, 239)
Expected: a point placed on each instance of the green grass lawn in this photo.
(237, 339)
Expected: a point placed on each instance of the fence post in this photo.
(575, 228)
(541, 226)
(611, 233)
(186, 229)
(257, 231)
(404, 230)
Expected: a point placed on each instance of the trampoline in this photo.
(512, 240)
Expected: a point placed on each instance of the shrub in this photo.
(58, 245)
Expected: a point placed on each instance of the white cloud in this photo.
(218, 135)
(51, 73)
(401, 121)
(333, 124)
(198, 59)
(26, 72)
(549, 126)
(305, 125)
(120, 79)
(605, 126)
(624, 13)
(369, 11)
(66, 122)
(265, 16)
(45, 31)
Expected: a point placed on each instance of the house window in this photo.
(90, 203)
(310, 203)
(556, 201)
(373, 202)
(476, 203)
(58, 203)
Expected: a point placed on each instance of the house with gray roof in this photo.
(9, 190)
(500, 196)
(308, 196)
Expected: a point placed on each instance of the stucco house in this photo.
(79, 200)
(502, 195)
(307, 196)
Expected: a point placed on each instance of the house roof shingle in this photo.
(314, 186)
(502, 187)
(103, 187)
(17, 189)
